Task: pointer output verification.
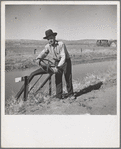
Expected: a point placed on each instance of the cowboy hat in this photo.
(49, 33)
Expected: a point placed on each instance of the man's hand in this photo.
(37, 60)
(40, 59)
(55, 69)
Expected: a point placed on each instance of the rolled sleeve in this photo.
(43, 54)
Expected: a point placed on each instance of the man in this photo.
(60, 55)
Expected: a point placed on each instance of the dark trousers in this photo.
(67, 71)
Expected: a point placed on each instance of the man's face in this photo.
(51, 40)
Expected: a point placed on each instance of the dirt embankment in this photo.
(96, 102)
(96, 96)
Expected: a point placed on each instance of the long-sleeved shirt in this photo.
(58, 51)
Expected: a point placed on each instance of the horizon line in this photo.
(63, 39)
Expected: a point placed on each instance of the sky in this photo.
(71, 22)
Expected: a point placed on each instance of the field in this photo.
(96, 94)
(20, 53)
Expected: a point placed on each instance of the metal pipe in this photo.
(50, 86)
(34, 84)
(43, 83)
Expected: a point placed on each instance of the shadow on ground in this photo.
(88, 89)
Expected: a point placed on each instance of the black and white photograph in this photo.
(61, 59)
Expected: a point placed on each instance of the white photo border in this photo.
(59, 131)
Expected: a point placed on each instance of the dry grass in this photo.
(22, 57)
(12, 106)
(16, 62)
(91, 79)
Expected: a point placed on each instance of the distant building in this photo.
(104, 43)
(98, 43)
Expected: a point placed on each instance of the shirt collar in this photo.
(56, 43)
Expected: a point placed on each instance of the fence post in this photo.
(25, 88)
(50, 86)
